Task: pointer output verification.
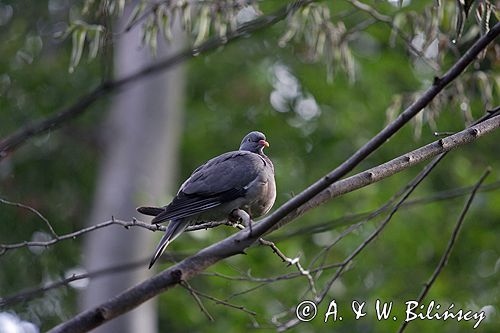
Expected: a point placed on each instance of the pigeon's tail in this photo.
(151, 211)
(174, 229)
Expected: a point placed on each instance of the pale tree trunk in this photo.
(138, 167)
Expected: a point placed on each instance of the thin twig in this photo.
(34, 292)
(198, 300)
(488, 115)
(295, 261)
(235, 244)
(73, 235)
(414, 183)
(216, 300)
(246, 291)
(31, 293)
(34, 211)
(359, 217)
(449, 248)
(353, 227)
(287, 276)
(126, 224)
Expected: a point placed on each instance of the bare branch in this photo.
(408, 189)
(353, 219)
(216, 300)
(449, 194)
(314, 195)
(413, 185)
(73, 235)
(19, 137)
(438, 85)
(34, 292)
(186, 285)
(365, 216)
(34, 211)
(446, 255)
(295, 261)
(288, 276)
(236, 243)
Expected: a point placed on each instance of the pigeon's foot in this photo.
(241, 215)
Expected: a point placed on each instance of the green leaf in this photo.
(186, 17)
(94, 44)
(203, 25)
(138, 10)
(78, 39)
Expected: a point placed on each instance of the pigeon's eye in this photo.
(249, 140)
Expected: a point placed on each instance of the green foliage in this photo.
(55, 172)
(311, 131)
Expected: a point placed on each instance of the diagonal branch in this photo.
(363, 216)
(446, 255)
(216, 300)
(19, 137)
(411, 188)
(438, 85)
(197, 299)
(34, 292)
(323, 188)
(238, 242)
(353, 219)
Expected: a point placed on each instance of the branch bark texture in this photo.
(238, 242)
(317, 193)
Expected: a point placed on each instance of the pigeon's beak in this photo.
(264, 143)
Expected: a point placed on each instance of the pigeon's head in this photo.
(254, 142)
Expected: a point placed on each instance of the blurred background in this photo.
(316, 100)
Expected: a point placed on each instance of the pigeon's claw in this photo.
(241, 215)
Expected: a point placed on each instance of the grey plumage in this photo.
(242, 179)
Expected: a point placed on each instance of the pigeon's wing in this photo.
(222, 179)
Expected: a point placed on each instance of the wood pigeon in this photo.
(242, 179)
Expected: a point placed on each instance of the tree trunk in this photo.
(138, 167)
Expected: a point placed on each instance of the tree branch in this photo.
(351, 219)
(34, 292)
(126, 224)
(238, 242)
(19, 137)
(407, 192)
(216, 300)
(296, 206)
(34, 211)
(438, 85)
(450, 194)
(198, 301)
(446, 255)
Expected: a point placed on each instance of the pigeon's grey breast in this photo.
(261, 193)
